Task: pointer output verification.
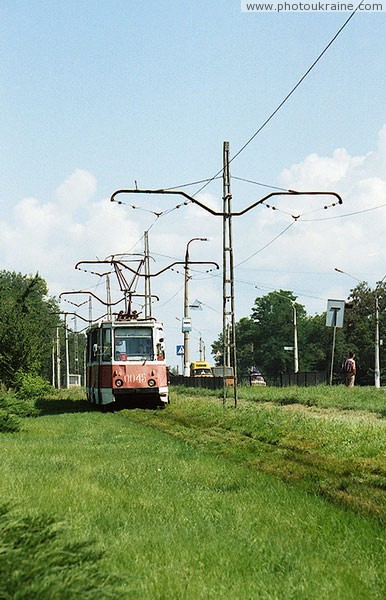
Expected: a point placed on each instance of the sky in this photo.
(100, 95)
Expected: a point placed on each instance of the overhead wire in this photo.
(209, 180)
(266, 185)
(206, 182)
(287, 97)
(179, 187)
(266, 245)
(357, 212)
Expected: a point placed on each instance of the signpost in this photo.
(334, 318)
(180, 352)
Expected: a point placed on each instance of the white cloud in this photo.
(321, 172)
(349, 236)
(76, 191)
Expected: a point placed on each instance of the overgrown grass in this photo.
(12, 410)
(368, 399)
(201, 513)
(339, 454)
(35, 562)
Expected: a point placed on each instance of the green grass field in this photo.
(283, 497)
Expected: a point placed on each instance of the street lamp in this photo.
(377, 370)
(185, 326)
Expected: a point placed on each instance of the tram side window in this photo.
(106, 344)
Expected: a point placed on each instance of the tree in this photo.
(27, 324)
(245, 336)
(262, 337)
(359, 327)
(273, 315)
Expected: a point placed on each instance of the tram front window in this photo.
(134, 343)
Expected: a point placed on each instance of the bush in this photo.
(9, 423)
(37, 562)
(10, 403)
(31, 387)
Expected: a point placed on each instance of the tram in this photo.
(125, 363)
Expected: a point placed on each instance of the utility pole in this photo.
(66, 349)
(377, 370)
(53, 363)
(66, 352)
(108, 296)
(76, 346)
(147, 277)
(296, 350)
(377, 366)
(201, 348)
(185, 324)
(58, 375)
(228, 267)
(229, 325)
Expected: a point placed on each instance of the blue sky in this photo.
(96, 95)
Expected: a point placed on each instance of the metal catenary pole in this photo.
(147, 276)
(186, 368)
(186, 306)
(229, 326)
(377, 367)
(66, 352)
(296, 349)
(53, 363)
(227, 214)
(58, 374)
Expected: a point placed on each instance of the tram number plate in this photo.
(137, 378)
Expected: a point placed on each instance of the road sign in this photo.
(197, 305)
(180, 350)
(186, 324)
(335, 313)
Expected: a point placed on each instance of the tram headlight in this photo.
(119, 382)
(151, 382)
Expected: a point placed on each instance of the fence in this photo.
(211, 383)
(305, 379)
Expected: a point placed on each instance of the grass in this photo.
(36, 563)
(339, 454)
(339, 397)
(202, 512)
(367, 399)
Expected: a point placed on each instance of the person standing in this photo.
(350, 369)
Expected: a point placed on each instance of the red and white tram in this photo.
(126, 363)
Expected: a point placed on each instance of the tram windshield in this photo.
(133, 343)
